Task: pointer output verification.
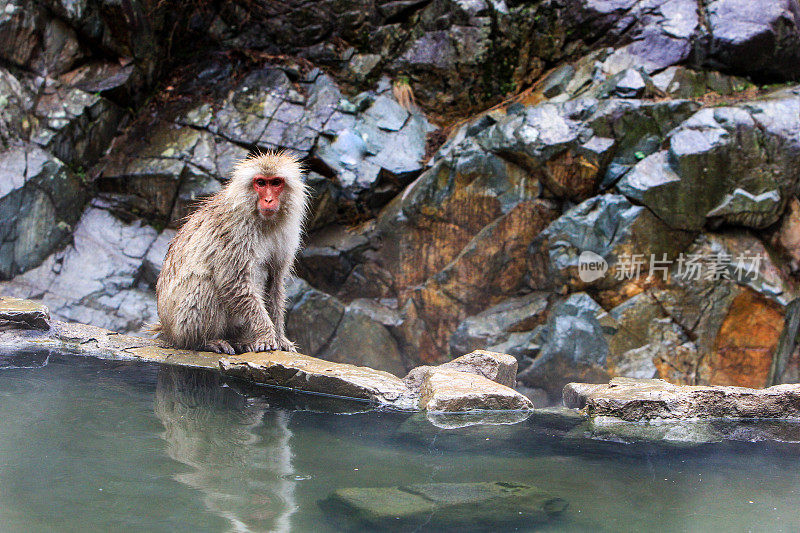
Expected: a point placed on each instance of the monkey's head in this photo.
(268, 185)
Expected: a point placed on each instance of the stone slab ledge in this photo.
(633, 399)
(476, 381)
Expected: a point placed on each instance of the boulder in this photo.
(360, 340)
(573, 344)
(309, 374)
(451, 390)
(21, 314)
(310, 307)
(760, 38)
(498, 367)
(614, 231)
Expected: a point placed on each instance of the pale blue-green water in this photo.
(97, 446)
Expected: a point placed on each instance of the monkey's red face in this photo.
(268, 189)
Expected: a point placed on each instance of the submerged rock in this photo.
(443, 506)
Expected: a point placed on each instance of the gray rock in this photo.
(637, 127)
(40, 203)
(312, 319)
(631, 84)
(94, 279)
(498, 367)
(719, 164)
(315, 375)
(539, 134)
(327, 259)
(557, 82)
(383, 311)
(74, 125)
(496, 325)
(154, 260)
(651, 36)
(444, 389)
(574, 344)
(610, 227)
(360, 340)
(23, 314)
(681, 82)
(760, 37)
(361, 65)
(387, 113)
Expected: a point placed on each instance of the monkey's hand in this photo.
(219, 346)
(263, 343)
(287, 345)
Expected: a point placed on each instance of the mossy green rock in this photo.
(443, 506)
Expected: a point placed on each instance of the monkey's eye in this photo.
(276, 182)
(260, 182)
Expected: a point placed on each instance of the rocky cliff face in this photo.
(600, 188)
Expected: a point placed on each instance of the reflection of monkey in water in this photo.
(238, 449)
(222, 284)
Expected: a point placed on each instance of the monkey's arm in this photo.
(247, 305)
(276, 305)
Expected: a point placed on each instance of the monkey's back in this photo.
(189, 305)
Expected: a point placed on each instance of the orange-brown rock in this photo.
(490, 268)
(572, 176)
(746, 342)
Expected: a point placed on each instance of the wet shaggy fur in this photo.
(222, 284)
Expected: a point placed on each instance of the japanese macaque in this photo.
(221, 287)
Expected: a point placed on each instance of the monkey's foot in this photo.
(219, 346)
(287, 345)
(267, 343)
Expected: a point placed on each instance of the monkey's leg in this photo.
(198, 320)
(276, 305)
